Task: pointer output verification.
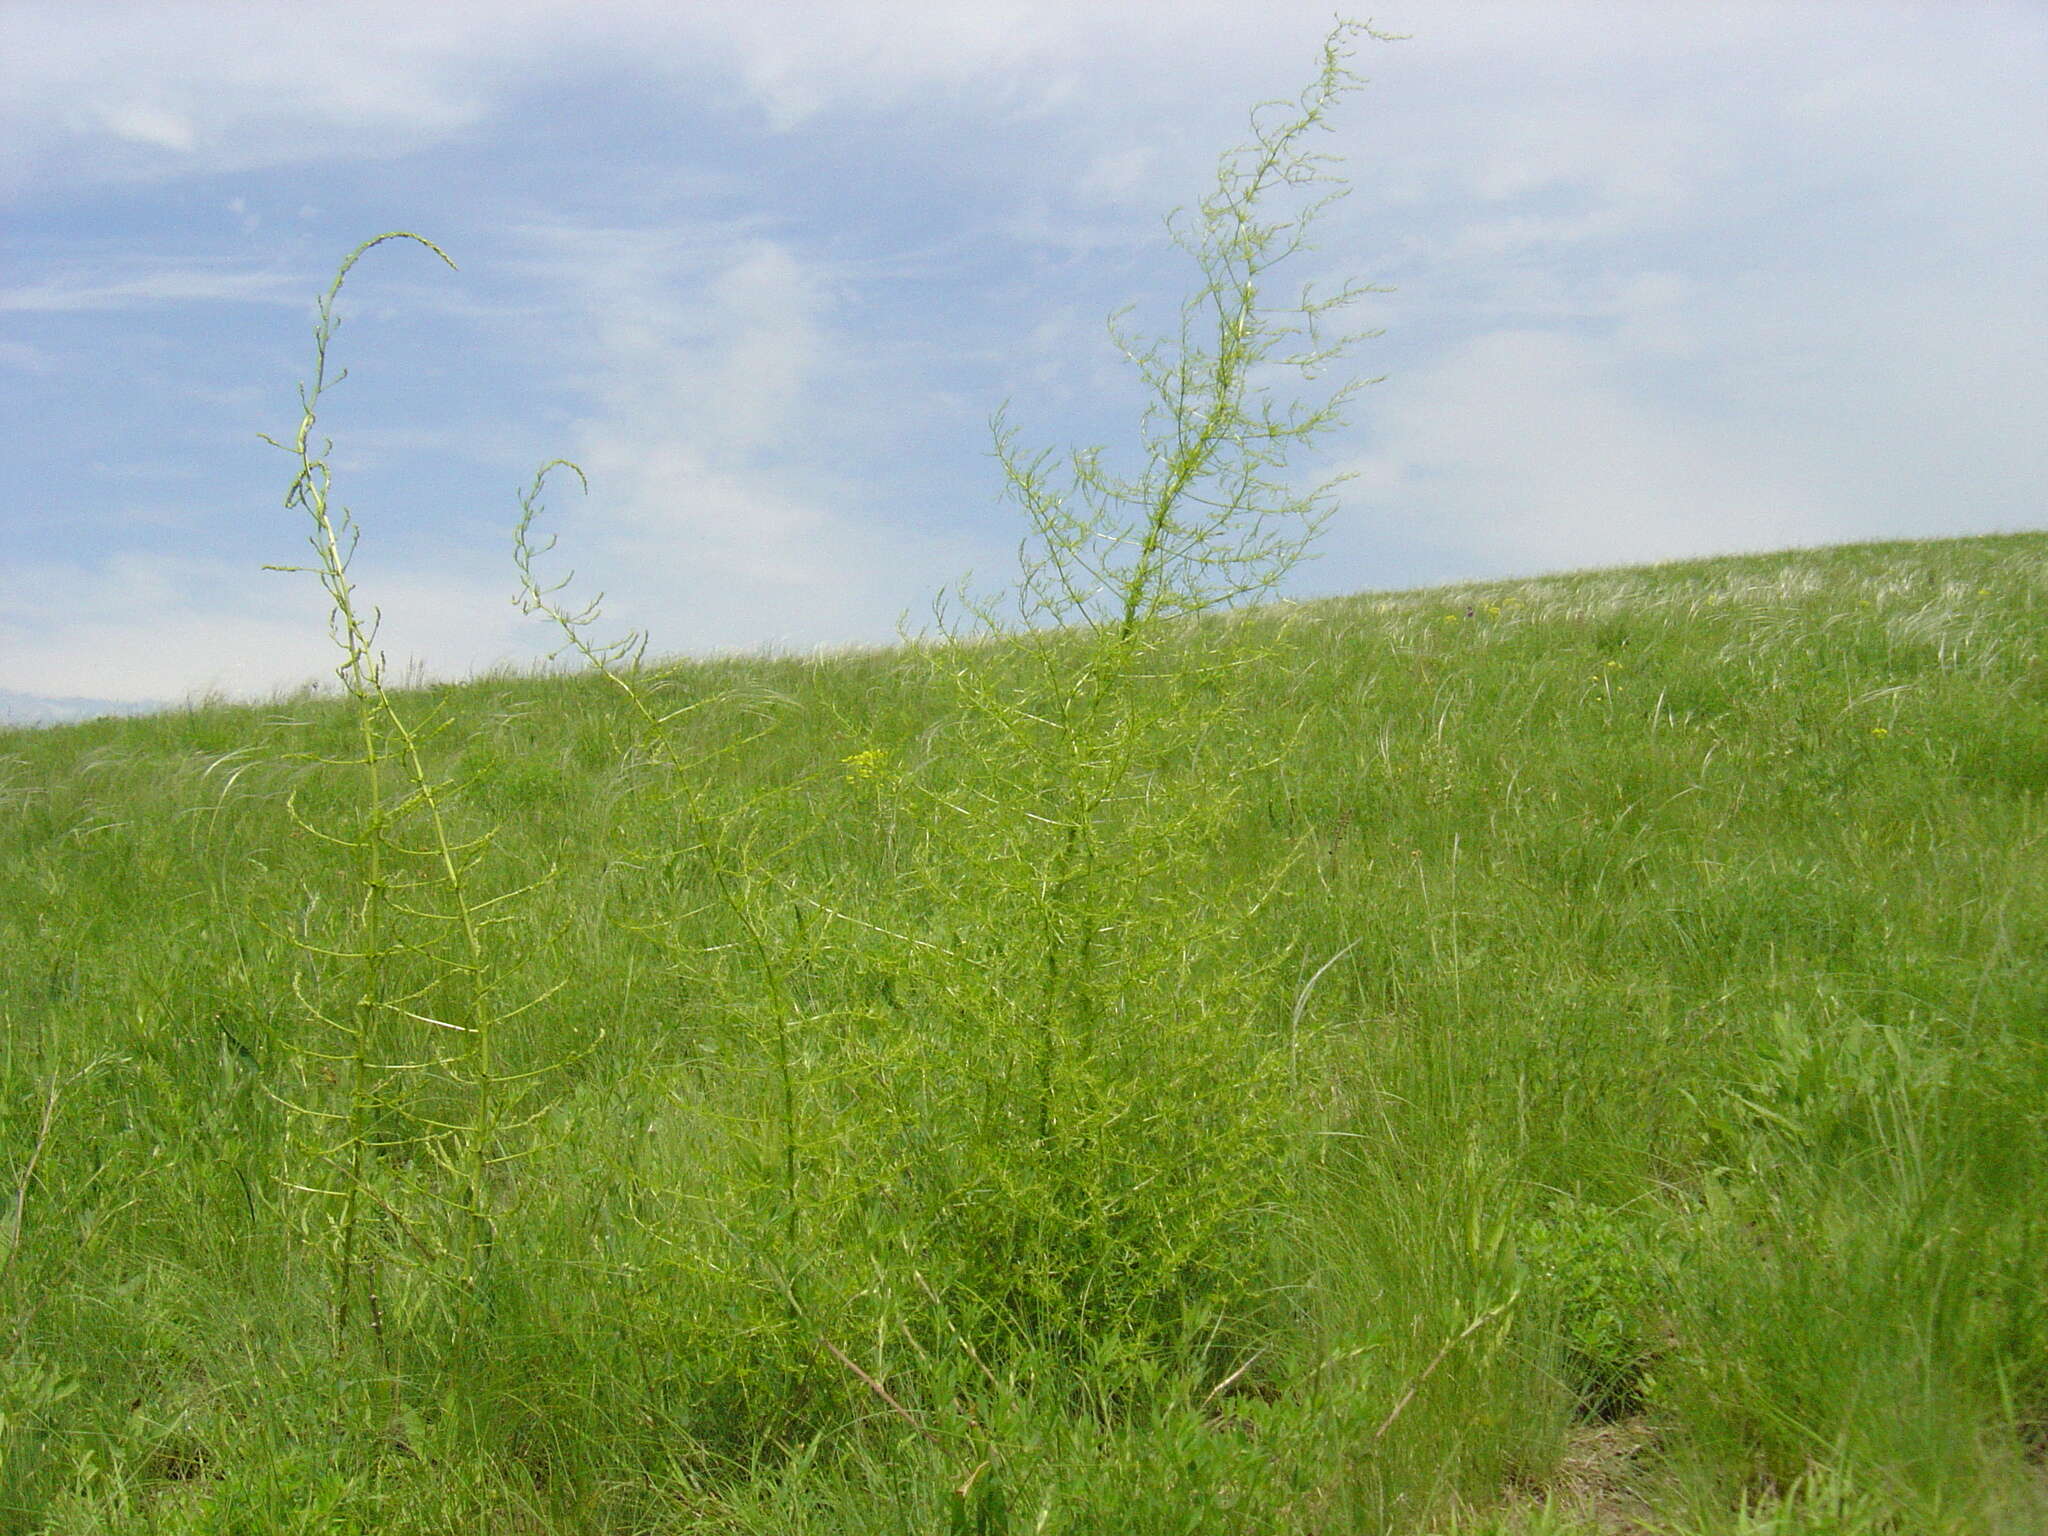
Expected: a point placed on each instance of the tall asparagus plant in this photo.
(411, 1001)
(1127, 1105)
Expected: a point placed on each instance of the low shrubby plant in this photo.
(1597, 1273)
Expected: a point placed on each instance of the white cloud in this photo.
(136, 628)
(180, 285)
(1115, 175)
(719, 505)
(1629, 100)
(91, 89)
(140, 122)
(1530, 450)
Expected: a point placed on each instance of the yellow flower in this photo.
(861, 767)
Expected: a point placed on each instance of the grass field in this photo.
(1552, 1056)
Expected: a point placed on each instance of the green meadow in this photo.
(1590, 1072)
(1536, 1058)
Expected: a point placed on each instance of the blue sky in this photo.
(1671, 279)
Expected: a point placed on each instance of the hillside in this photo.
(1550, 1056)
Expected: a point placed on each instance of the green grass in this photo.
(1684, 1033)
(1559, 1056)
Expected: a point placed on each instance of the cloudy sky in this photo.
(1671, 277)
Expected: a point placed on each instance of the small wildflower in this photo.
(1878, 730)
(866, 766)
(1613, 666)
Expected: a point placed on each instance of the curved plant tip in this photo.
(362, 250)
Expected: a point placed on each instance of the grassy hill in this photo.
(1550, 1056)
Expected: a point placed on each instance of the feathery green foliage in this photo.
(408, 989)
(1117, 1100)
